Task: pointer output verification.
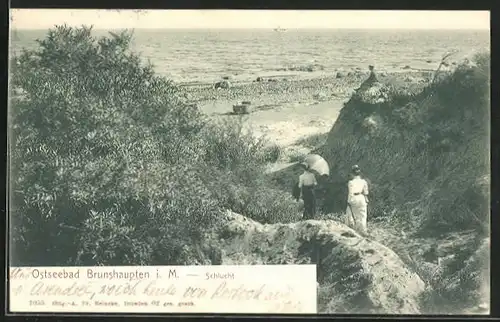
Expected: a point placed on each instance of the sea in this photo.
(204, 56)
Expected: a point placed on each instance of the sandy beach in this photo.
(288, 109)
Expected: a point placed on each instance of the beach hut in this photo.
(244, 107)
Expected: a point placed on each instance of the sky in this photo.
(233, 19)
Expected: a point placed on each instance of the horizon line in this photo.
(259, 28)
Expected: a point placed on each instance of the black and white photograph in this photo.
(357, 141)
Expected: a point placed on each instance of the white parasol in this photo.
(317, 164)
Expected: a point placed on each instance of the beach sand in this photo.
(288, 109)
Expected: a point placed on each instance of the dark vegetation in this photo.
(426, 157)
(110, 166)
(426, 154)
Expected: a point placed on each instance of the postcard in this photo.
(249, 161)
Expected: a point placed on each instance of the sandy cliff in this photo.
(354, 274)
(423, 152)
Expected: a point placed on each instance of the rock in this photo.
(224, 84)
(354, 274)
(407, 67)
(259, 79)
(339, 75)
(429, 61)
(226, 77)
(320, 96)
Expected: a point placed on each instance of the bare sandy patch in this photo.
(285, 124)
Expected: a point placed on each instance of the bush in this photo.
(112, 167)
(239, 183)
(91, 135)
(228, 146)
(425, 153)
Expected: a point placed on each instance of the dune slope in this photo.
(425, 154)
(354, 274)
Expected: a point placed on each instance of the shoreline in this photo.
(306, 70)
(281, 89)
(299, 75)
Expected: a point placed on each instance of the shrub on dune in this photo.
(101, 149)
(110, 166)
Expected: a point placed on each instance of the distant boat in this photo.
(279, 29)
